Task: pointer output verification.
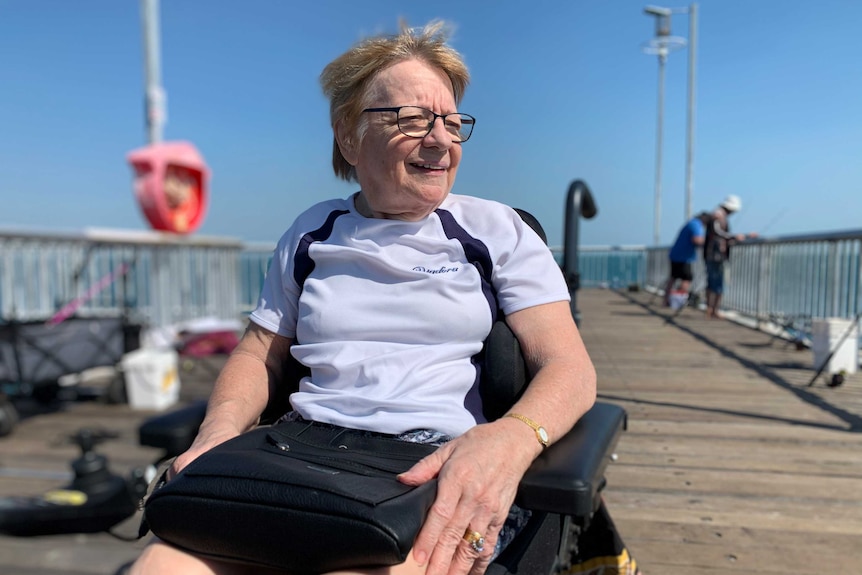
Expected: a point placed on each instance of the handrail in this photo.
(169, 278)
(117, 236)
(173, 279)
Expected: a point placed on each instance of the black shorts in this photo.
(681, 271)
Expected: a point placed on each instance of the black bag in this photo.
(299, 496)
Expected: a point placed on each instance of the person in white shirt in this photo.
(716, 251)
(387, 296)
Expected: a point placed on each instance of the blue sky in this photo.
(561, 91)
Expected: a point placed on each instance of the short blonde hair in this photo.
(346, 79)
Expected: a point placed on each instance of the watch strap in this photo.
(541, 434)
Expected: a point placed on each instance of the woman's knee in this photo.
(409, 567)
(159, 558)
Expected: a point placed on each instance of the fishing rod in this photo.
(71, 307)
(773, 220)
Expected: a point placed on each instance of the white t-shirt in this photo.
(389, 315)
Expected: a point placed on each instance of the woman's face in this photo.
(405, 178)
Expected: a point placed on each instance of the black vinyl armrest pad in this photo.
(175, 431)
(565, 479)
(568, 476)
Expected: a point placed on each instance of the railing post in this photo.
(579, 202)
(833, 275)
(857, 281)
(760, 287)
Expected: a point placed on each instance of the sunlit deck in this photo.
(731, 463)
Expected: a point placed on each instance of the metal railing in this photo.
(614, 266)
(785, 280)
(158, 279)
(162, 279)
(609, 266)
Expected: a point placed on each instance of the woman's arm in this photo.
(479, 472)
(241, 391)
(563, 385)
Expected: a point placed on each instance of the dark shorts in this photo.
(681, 271)
(715, 277)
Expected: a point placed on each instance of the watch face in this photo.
(543, 434)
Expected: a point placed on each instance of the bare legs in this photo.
(713, 304)
(714, 288)
(160, 558)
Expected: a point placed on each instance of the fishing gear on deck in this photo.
(94, 501)
(836, 381)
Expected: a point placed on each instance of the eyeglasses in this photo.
(417, 122)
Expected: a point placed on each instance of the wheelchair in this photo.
(562, 488)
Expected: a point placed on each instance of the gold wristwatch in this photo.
(541, 434)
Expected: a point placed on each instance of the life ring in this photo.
(171, 185)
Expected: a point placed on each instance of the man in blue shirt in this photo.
(683, 254)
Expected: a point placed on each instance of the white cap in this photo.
(731, 204)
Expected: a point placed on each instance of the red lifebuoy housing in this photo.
(171, 185)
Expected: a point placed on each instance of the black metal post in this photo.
(579, 202)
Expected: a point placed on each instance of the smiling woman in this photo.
(406, 175)
(386, 297)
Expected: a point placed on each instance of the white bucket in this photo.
(152, 378)
(826, 334)
(678, 299)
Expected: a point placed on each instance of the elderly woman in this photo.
(388, 295)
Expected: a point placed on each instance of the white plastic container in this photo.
(678, 299)
(152, 378)
(826, 334)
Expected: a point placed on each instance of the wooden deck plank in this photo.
(40, 445)
(731, 463)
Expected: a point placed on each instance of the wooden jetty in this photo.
(731, 463)
(36, 458)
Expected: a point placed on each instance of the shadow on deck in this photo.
(732, 463)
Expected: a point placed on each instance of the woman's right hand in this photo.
(240, 393)
(202, 443)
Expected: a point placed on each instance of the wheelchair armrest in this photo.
(568, 476)
(175, 431)
(565, 479)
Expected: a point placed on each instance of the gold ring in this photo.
(475, 539)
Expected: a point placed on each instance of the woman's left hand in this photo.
(478, 475)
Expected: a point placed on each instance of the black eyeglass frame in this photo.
(397, 110)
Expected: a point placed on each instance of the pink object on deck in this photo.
(205, 344)
(171, 185)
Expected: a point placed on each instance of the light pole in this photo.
(156, 114)
(689, 150)
(661, 45)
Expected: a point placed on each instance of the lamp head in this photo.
(658, 11)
